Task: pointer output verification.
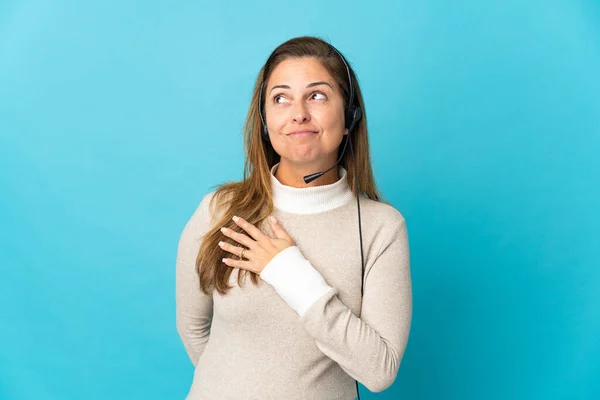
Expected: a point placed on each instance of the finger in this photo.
(248, 227)
(235, 250)
(278, 229)
(237, 263)
(238, 237)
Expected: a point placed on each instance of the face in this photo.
(304, 112)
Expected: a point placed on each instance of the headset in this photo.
(352, 115)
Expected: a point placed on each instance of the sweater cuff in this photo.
(295, 279)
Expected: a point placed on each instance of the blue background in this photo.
(117, 117)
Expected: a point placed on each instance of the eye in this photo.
(319, 93)
(276, 98)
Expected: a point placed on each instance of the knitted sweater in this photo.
(304, 332)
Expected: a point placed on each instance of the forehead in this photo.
(299, 71)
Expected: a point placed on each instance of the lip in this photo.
(303, 132)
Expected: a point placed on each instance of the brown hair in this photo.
(252, 198)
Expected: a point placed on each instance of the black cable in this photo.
(362, 258)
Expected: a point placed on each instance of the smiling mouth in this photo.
(308, 133)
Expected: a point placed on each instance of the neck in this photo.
(311, 200)
(294, 176)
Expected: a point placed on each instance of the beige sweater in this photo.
(304, 332)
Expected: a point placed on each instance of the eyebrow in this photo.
(308, 86)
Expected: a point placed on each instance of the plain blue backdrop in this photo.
(117, 117)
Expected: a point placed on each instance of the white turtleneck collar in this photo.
(310, 200)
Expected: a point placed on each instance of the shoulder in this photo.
(207, 204)
(382, 214)
(385, 222)
(387, 226)
(202, 216)
(211, 208)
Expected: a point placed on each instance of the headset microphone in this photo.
(356, 116)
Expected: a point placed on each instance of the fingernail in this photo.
(273, 219)
(235, 218)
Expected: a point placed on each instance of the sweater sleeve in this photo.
(194, 309)
(369, 348)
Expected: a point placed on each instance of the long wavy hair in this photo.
(252, 198)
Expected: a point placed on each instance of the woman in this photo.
(283, 309)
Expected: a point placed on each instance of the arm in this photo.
(369, 348)
(193, 308)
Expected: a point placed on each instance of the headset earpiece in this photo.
(354, 115)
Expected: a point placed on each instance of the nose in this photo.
(300, 113)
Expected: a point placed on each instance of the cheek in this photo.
(329, 119)
(276, 119)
